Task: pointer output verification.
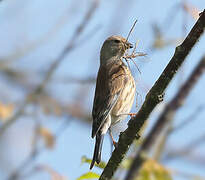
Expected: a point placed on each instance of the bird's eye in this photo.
(117, 41)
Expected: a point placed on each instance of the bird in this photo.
(114, 92)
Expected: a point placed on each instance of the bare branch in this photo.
(31, 46)
(53, 66)
(185, 151)
(170, 129)
(189, 120)
(192, 156)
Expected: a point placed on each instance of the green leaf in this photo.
(89, 175)
(84, 159)
(153, 170)
(126, 163)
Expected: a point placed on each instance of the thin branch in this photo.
(53, 67)
(75, 80)
(189, 120)
(36, 151)
(185, 151)
(165, 118)
(158, 151)
(131, 29)
(31, 46)
(186, 175)
(170, 129)
(70, 45)
(33, 153)
(192, 156)
(153, 98)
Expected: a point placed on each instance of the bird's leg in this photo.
(113, 141)
(130, 114)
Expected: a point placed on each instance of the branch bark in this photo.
(165, 118)
(154, 96)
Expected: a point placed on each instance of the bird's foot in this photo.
(115, 144)
(132, 114)
(137, 136)
(113, 141)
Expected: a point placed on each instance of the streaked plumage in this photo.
(114, 93)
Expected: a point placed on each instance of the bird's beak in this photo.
(129, 45)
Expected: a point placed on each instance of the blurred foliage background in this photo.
(49, 57)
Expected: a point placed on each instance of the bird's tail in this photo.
(98, 149)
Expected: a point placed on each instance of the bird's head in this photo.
(114, 48)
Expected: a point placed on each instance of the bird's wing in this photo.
(110, 82)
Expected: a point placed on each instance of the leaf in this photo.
(84, 159)
(126, 163)
(151, 169)
(5, 111)
(89, 175)
(47, 136)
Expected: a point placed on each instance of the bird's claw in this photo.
(137, 136)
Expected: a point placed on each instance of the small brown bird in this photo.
(114, 93)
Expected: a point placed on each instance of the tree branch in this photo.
(154, 96)
(165, 118)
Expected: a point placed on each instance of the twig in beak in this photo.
(131, 30)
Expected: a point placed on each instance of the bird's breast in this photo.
(125, 101)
